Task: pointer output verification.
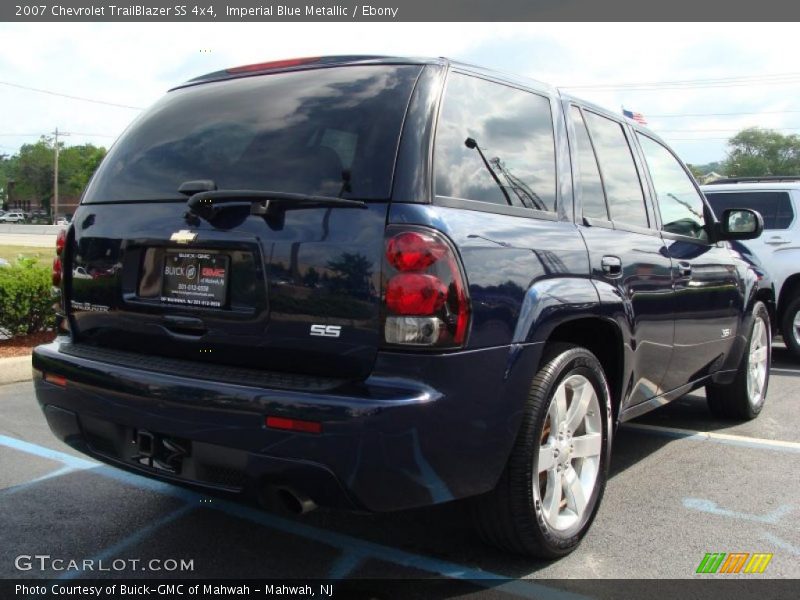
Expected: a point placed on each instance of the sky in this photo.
(664, 71)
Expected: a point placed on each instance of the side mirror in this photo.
(740, 224)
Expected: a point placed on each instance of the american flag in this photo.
(638, 117)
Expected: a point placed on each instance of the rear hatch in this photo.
(270, 256)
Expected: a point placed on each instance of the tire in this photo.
(522, 514)
(744, 397)
(790, 327)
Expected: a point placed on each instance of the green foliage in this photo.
(77, 164)
(26, 298)
(32, 169)
(696, 172)
(755, 152)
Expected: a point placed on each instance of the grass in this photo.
(10, 253)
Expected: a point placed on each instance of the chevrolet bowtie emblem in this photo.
(184, 236)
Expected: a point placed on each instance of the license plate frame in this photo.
(195, 279)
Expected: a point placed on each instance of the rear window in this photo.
(775, 207)
(324, 131)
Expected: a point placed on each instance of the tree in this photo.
(76, 166)
(696, 171)
(755, 152)
(32, 169)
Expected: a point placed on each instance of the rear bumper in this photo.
(422, 429)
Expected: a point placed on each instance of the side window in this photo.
(679, 202)
(621, 180)
(495, 143)
(774, 207)
(592, 196)
(784, 214)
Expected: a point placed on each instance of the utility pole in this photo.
(56, 133)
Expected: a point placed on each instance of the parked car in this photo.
(63, 221)
(384, 283)
(13, 217)
(778, 201)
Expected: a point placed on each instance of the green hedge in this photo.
(27, 297)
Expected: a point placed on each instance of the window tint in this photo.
(775, 207)
(623, 188)
(590, 184)
(495, 144)
(679, 202)
(287, 132)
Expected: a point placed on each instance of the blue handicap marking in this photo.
(712, 508)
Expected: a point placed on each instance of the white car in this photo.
(778, 248)
(13, 217)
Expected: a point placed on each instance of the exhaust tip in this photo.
(285, 498)
(295, 502)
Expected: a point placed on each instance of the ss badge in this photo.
(326, 330)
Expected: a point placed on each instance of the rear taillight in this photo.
(424, 292)
(61, 241)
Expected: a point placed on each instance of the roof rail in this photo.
(763, 178)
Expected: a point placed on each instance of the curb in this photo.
(16, 368)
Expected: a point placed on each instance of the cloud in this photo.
(136, 63)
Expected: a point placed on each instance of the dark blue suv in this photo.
(380, 283)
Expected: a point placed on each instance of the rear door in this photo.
(295, 288)
(628, 258)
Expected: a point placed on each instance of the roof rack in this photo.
(763, 178)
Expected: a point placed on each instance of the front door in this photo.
(708, 297)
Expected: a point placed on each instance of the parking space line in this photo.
(25, 485)
(132, 540)
(784, 371)
(344, 565)
(348, 544)
(719, 438)
(71, 461)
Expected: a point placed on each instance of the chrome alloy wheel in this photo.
(796, 327)
(569, 453)
(757, 366)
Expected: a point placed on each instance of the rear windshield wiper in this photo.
(207, 202)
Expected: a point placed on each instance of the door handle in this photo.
(612, 266)
(685, 270)
(776, 240)
(184, 327)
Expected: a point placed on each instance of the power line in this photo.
(723, 114)
(778, 78)
(721, 130)
(703, 139)
(105, 135)
(71, 97)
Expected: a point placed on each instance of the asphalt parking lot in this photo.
(682, 485)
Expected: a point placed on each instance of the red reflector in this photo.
(61, 241)
(56, 275)
(55, 379)
(294, 425)
(276, 64)
(413, 251)
(415, 294)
